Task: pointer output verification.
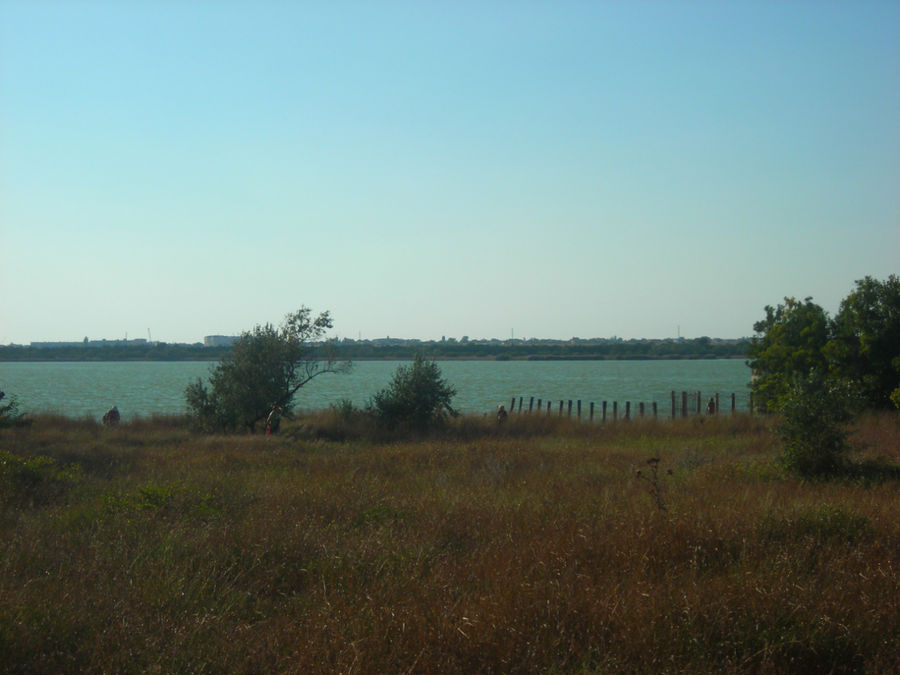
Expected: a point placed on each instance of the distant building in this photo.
(220, 340)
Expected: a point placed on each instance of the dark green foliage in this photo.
(417, 396)
(266, 367)
(860, 346)
(866, 345)
(33, 481)
(9, 411)
(815, 413)
(790, 342)
(825, 522)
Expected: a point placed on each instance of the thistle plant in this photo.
(655, 486)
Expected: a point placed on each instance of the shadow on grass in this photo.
(871, 472)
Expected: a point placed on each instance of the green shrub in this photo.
(9, 411)
(823, 522)
(815, 413)
(345, 410)
(33, 481)
(417, 397)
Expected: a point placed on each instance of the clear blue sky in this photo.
(422, 169)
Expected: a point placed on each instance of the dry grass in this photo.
(527, 548)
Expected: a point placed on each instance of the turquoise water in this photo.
(148, 387)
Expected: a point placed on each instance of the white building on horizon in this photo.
(219, 340)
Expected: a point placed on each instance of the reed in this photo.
(527, 547)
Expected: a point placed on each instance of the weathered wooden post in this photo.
(512, 406)
(684, 404)
(560, 408)
(673, 404)
(569, 408)
(654, 409)
(520, 405)
(615, 410)
(579, 408)
(604, 412)
(539, 406)
(592, 411)
(627, 410)
(530, 405)
(641, 409)
(732, 403)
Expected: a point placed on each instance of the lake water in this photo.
(145, 388)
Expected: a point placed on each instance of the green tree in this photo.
(10, 416)
(417, 396)
(866, 345)
(266, 367)
(790, 343)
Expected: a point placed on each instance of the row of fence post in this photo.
(684, 409)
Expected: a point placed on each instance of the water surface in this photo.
(144, 388)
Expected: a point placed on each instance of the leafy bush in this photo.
(9, 411)
(815, 413)
(417, 397)
(33, 481)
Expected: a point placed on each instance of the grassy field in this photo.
(542, 546)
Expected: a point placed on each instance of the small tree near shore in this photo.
(417, 396)
(9, 412)
(266, 367)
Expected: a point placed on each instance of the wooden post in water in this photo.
(684, 404)
(579, 408)
(604, 412)
(654, 409)
(530, 405)
(539, 406)
(512, 406)
(592, 411)
(673, 404)
(569, 408)
(641, 409)
(627, 410)
(732, 403)
(560, 408)
(520, 405)
(615, 410)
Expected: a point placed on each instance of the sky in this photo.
(491, 169)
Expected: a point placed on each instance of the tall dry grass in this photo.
(532, 547)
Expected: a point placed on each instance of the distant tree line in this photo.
(698, 348)
(159, 351)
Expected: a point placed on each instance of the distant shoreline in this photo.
(390, 350)
(531, 358)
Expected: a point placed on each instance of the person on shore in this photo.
(711, 406)
(112, 417)
(501, 415)
(273, 421)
